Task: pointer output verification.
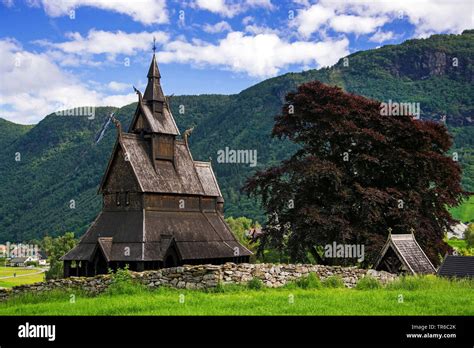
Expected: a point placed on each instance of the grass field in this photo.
(23, 276)
(457, 243)
(409, 296)
(464, 212)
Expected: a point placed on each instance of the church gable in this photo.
(140, 122)
(120, 176)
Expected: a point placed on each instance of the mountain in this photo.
(52, 189)
(10, 131)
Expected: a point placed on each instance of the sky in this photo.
(59, 54)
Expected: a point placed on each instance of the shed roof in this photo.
(457, 266)
(409, 253)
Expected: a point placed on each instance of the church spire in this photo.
(153, 92)
(153, 113)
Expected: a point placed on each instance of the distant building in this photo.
(457, 231)
(402, 254)
(457, 266)
(20, 261)
(160, 207)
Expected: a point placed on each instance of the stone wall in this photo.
(208, 276)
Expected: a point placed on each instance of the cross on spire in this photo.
(154, 45)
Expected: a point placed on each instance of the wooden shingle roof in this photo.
(457, 266)
(410, 255)
(183, 176)
(148, 234)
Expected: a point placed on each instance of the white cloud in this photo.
(80, 50)
(219, 7)
(99, 41)
(8, 3)
(229, 8)
(262, 55)
(118, 86)
(145, 11)
(247, 20)
(361, 17)
(356, 24)
(37, 86)
(255, 29)
(219, 27)
(382, 36)
(311, 19)
(261, 3)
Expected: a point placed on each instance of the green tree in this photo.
(239, 226)
(55, 248)
(469, 236)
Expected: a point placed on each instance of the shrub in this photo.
(333, 282)
(255, 284)
(416, 282)
(31, 263)
(221, 287)
(469, 236)
(123, 284)
(55, 271)
(368, 283)
(311, 281)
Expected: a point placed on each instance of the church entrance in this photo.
(171, 258)
(100, 263)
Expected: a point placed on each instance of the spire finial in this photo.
(154, 45)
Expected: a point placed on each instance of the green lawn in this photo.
(464, 212)
(457, 243)
(23, 276)
(410, 296)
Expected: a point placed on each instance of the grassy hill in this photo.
(53, 188)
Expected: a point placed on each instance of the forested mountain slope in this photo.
(52, 189)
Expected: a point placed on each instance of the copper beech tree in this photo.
(355, 176)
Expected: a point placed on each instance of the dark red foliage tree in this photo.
(356, 174)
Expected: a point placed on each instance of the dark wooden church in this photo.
(160, 207)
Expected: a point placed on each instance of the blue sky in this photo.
(60, 54)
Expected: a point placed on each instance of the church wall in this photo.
(119, 201)
(178, 202)
(163, 147)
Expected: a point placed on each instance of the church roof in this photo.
(163, 123)
(147, 235)
(153, 90)
(409, 253)
(183, 176)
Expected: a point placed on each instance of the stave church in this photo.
(160, 207)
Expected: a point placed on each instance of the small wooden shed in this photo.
(457, 266)
(402, 254)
